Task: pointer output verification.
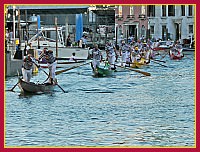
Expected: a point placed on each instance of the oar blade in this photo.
(64, 70)
(159, 63)
(142, 72)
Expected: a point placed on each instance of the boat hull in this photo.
(31, 87)
(139, 64)
(101, 72)
(174, 57)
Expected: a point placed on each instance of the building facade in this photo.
(175, 22)
(104, 23)
(130, 20)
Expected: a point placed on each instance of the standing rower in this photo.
(111, 53)
(51, 62)
(97, 57)
(123, 52)
(27, 68)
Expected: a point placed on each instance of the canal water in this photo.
(127, 109)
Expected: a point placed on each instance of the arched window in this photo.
(120, 11)
(143, 10)
(143, 30)
(171, 10)
(131, 10)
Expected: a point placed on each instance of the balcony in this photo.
(119, 17)
(142, 16)
(130, 17)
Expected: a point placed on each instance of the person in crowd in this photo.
(97, 56)
(11, 36)
(134, 54)
(124, 47)
(69, 42)
(168, 43)
(7, 35)
(84, 41)
(128, 55)
(51, 62)
(178, 48)
(149, 43)
(178, 45)
(73, 57)
(111, 53)
(139, 44)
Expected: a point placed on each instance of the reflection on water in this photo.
(127, 109)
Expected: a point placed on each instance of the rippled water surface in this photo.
(127, 109)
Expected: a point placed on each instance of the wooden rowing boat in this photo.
(32, 87)
(175, 57)
(102, 71)
(139, 64)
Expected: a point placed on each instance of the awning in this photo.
(52, 9)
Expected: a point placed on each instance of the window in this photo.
(164, 32)
(120, 10)
(151, 10)
(143, 10)
(163, 10)
(190, 10)
(171, 10)
(92, 17)
(151, 29)
(190, 29)
(131, 10)
(182, 10)
(143, 30)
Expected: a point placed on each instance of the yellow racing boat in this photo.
(139, 64)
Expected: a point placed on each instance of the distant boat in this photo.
(139, 64)
(102, 71)
(174, 56)
(62, 51)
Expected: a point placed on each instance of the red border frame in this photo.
(2, 149)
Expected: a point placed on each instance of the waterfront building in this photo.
(175, 22)
(131, 20)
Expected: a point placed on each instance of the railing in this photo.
(142, 16)
(119, 17)
(130, 16)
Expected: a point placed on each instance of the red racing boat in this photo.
(174, 56)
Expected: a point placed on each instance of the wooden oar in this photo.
(69, 58)
(142, 72)
(61, 71)
(60, 87)
(185, 55)
(164, 55)
(15, 84)
(159, 63)
(70, 62)
(55, 82)
(13, 87)
(158, 60)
